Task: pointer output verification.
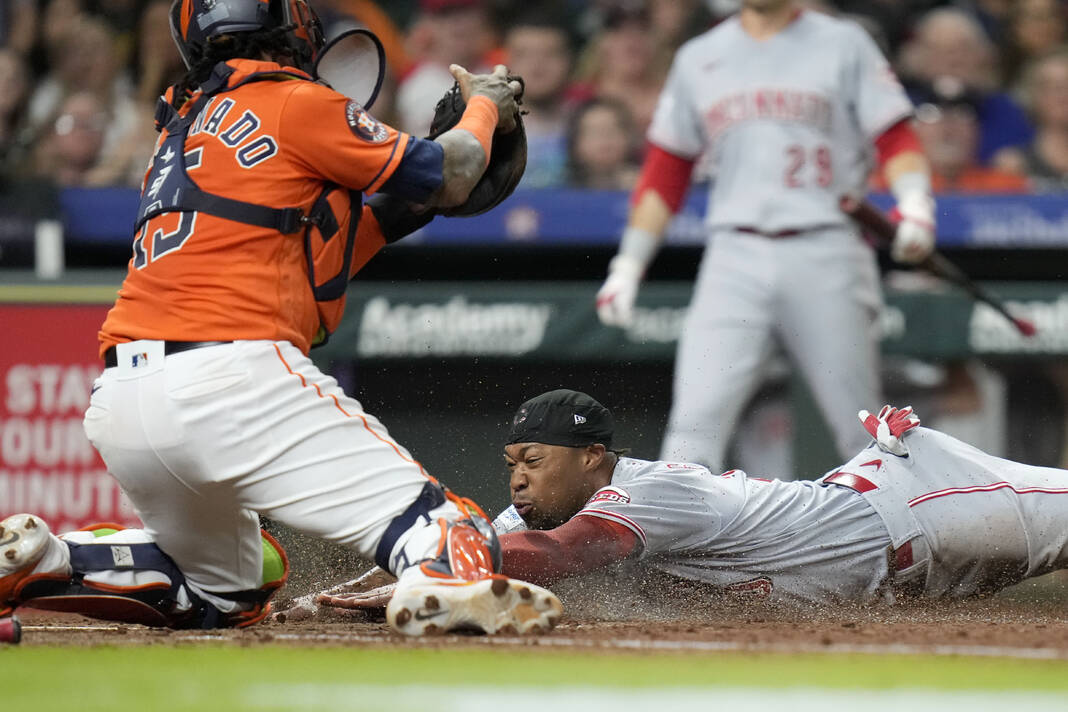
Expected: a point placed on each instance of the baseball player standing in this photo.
(789, 105)
(915, 513)
(209, 412)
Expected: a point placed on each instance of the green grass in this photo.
(239, 678)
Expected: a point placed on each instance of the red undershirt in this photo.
(582, 544)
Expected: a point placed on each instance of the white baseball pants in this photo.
(985, 522)
(204, 440)
(817, 293)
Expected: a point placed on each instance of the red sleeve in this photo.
(667, 174)
(899, 138)
(580, 545)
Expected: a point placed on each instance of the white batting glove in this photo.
(915, 236)
(616, 297)
(889, 428)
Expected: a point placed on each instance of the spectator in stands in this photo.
(538, 48)
(993, 15)
(57, 17)
(124, 19)
(341, 15)
(69, 151)
(671, 23)
(158, 63)
(602, 147)
(1045, 160)
(620, 63)
(950, 42)
(446, 32)
(885, 20)
(14, 84)
(84, 58)
(947, 124)
(18, 22)
(81, 53)
(1034, 28)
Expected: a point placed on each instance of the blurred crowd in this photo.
(79, 79)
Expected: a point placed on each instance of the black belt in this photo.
(111, 360)
(774, 235)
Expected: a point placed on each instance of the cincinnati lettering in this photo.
(794, 106)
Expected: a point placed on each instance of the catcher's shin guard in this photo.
(257, 602)
(121, 575)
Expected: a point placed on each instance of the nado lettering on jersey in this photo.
(364, 125)
(239, 134)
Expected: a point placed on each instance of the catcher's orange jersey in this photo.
(275, 141)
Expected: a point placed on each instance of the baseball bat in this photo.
(883, 229)
(10, 630)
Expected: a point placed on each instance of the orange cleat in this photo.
(23, 542)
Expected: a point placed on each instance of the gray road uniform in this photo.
(787, 126)
(946, 521)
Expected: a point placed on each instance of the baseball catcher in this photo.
(209, 412)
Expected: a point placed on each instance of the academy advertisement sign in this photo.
(457, 327)
(557, 322)
(47, 465)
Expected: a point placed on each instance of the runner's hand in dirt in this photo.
(308, 607)
(375, 598)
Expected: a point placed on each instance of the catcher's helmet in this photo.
(194, 22)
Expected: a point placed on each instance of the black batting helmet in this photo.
(194, 22)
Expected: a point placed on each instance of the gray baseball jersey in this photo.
(788, 121)
(788, 125)
(763, 537)
(971, 522)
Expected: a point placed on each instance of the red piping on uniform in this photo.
(337, 404)
(630, 523)
(853, 482)
(987, 488)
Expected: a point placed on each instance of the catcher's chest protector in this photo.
(169, 188)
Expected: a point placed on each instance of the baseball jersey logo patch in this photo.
(364, 125)
(610, 494)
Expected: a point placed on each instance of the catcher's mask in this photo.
(353, 64)
(194, 22)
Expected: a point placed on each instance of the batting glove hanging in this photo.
(915, 237)
(889, 428)
(616, 297)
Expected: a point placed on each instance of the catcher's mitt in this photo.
(508, 155)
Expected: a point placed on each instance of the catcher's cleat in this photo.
(424, 605)
(23, 543)
(468, 549)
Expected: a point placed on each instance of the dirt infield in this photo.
(1030, 621)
